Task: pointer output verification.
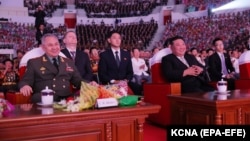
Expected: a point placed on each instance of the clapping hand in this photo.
(142, 66)
(193, 71)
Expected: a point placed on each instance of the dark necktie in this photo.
(73, 54)
(55, 63)
(117, 58)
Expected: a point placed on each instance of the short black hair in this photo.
(176, 38)
(209, 49)
(215, 40)
(110, 33)
(8, 60)
(194, 48)
(91, 49)
(154, 49)
(134, 48)
(166, 43)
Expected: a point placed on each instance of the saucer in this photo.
(44, 105)
(226, 92)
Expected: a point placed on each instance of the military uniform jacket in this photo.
(40, 72)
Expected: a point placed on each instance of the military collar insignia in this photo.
(42, 68)
(44, 59)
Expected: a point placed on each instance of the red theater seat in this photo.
(243, 82)
(21, 71)
(17, 98)
(156, 93)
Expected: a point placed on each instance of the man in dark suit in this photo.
(81, 59)
(115, 64)
(40, 32)
(220, 65)
(41, 72)
(184, 68)
(39, 16)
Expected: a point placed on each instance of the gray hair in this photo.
(46, 36)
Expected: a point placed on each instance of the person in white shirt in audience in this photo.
(139, 68)
(235, 61)
(196, 54)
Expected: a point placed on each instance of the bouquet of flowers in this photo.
(115, 90)
(5, 107)
(89, 92)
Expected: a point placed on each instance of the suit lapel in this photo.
(218, 58)
(180, 62)
(62, 64)
(77, 54)
(123, 58)
(113, 57)
(68, 55)
(187, 60)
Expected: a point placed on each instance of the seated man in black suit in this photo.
(184, 68)
(115, 64)
(80, 58)
(220, 65)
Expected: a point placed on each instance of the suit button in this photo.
(54, 86)
(63, 80)
(64, 86)
(54, 79)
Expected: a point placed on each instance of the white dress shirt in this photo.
(136, 63)
(235, 62)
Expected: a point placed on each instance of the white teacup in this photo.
(47, 96)
(47, 99)
(222, 86)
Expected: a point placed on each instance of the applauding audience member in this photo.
(94, 60)
(140, 68)
(9, 77)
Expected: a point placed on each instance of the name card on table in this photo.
(107, 102)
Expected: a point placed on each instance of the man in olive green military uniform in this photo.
(52, 70)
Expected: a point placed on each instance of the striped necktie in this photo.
(73, 54)
(117, 59)
(223, 64)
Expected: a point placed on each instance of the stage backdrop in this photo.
(70, 18)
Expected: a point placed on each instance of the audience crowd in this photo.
(198, 5)
(133, 34)
(233, 28)
(99, 8)
(22, 36)
(49, 6)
